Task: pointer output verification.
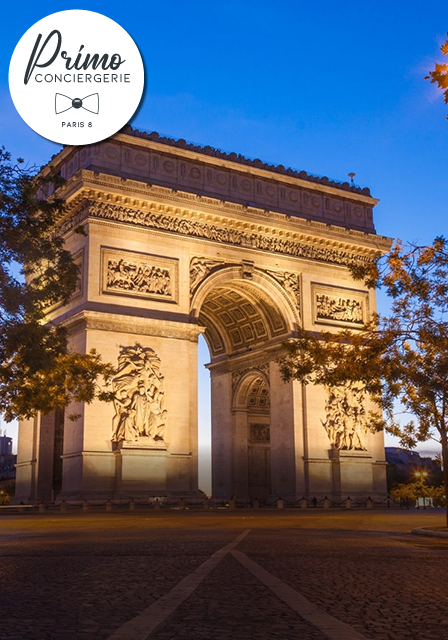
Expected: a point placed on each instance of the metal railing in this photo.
(164, 503)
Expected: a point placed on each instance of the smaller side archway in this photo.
(251, 427)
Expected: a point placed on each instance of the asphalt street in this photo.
(220, 575)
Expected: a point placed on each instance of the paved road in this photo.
(188, 576)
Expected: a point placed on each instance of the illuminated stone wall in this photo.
(181, 242)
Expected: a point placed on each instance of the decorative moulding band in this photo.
(94, 321)
(218, 233)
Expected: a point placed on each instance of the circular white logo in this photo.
(76, 77)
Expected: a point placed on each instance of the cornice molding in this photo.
(92, 320)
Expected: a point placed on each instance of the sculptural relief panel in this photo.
(290, 282)
(139, 399)
(346, 421)
(200, 268)
(139, 274)
(340, 307)
(260, 433)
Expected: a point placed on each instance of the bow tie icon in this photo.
(89, 103)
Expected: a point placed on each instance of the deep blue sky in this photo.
(329, 87)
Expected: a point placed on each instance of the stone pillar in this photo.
(95, 467)
(26, 460)
(240, 456)
(34, 481)
(222, 449)
(283, 455)
(44, 476)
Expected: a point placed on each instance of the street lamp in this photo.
(421, 476)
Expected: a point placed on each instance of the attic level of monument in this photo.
(195, 170)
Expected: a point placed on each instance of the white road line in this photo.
(141, 627)
(331, 627)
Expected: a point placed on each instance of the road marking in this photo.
(141, 627)
(331, 627)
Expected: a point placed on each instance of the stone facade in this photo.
(181, 241)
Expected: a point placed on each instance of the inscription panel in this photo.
(139, 275)
(341, 307)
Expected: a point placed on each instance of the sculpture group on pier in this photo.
(139, 397)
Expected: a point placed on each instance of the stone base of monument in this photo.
(143, 443)
(352, 473)
(141, 470)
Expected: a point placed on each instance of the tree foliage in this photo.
(38, 372)
(401, 358)
(415, 490)
(439, 75)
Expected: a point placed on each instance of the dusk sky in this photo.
(328, 87)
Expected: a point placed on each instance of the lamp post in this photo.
(421, 477)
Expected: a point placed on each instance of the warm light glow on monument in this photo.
(173, 253)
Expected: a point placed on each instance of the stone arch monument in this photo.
(183, 240)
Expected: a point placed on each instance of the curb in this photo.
(430, 533)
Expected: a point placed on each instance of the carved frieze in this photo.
(260, 432)
(74, 221)
(346, 419)
(254, 239)
(139, 399)
(341, 307)
(138, 274)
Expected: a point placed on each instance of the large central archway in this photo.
(242, 311)
(246, 314)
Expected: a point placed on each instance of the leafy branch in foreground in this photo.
(38, 372)
(401, 358)
(439, 75)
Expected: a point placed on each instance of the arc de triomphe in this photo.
(183, 240)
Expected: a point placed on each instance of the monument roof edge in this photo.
(240, 159)
(234, 161)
